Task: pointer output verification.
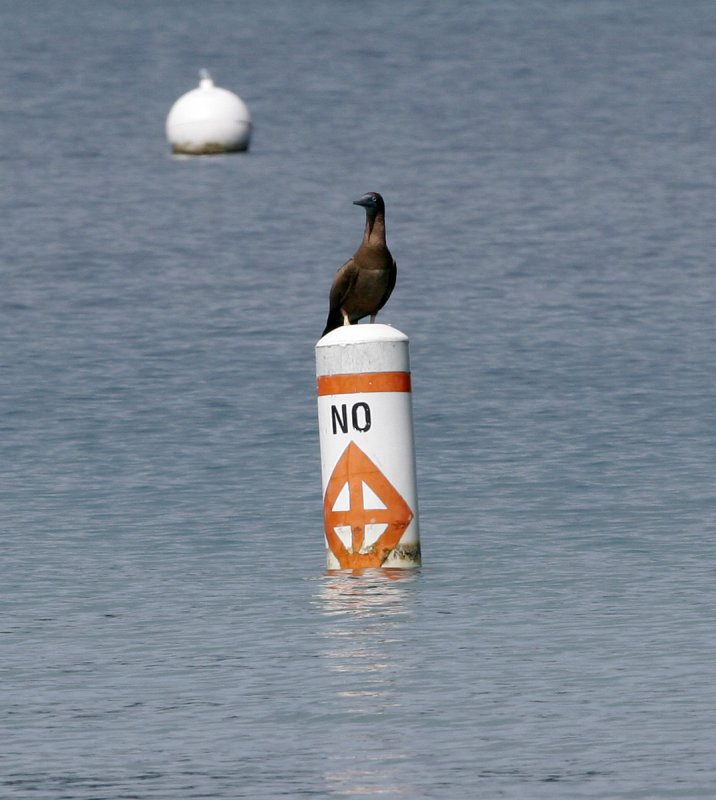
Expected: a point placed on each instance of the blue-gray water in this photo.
(168, 630)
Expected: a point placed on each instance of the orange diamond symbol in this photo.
(358, 495)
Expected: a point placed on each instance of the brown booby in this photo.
(364, 283)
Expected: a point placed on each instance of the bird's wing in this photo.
(391, 285)
(343, 283)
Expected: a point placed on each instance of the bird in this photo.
(364, 283)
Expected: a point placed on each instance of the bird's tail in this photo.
(335, 320)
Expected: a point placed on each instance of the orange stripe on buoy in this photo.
(363, 382)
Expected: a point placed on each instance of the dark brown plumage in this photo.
(364, 283)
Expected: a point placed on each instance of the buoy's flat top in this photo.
(365, 333)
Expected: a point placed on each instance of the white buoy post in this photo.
(370, 497)
(208, 120)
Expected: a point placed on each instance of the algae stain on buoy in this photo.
(208, 120)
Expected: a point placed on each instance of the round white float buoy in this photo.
(208, 120)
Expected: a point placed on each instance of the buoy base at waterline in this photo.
(400, 557)
(208, 149)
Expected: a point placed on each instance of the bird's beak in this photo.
(367, 201)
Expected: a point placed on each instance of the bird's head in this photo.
(372, 202)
